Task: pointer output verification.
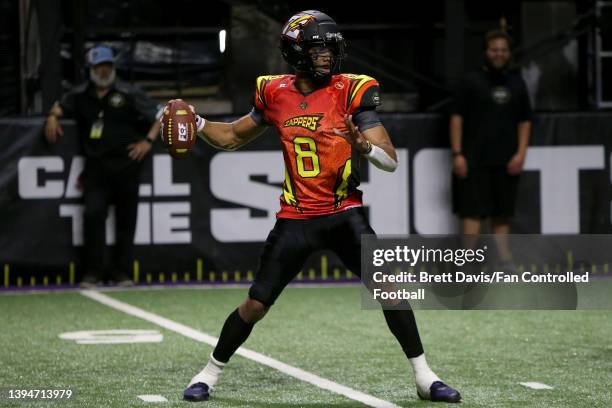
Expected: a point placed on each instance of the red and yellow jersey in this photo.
(321, 168)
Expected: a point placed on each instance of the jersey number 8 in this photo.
(302, 153)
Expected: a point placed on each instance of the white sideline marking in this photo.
(153, 398)
(536, 385)
(113, 336)
(192, 286)
(251, 355)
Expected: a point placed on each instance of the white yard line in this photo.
(246, 353)
(536, 385)
(153, 398)
(199, 286)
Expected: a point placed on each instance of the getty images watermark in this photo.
(486, 272)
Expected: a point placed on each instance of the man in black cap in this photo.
(110, 115)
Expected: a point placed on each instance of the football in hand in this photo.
(178, 128)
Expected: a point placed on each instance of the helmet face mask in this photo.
(305, 31)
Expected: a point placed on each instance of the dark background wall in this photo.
(188, 216)
(418, 53)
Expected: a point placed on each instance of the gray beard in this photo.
(102, 82)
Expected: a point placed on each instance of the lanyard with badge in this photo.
(97, 127)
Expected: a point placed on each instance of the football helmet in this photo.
(308, 29)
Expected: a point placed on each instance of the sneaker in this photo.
(196, 392)
(440, 392)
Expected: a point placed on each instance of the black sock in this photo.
(235, 332)
(403, 326)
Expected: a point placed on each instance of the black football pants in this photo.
(288, 245)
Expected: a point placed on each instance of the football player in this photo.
(327, 124)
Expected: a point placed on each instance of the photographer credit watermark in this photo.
(455, 272)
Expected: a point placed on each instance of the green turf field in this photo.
(485, 354)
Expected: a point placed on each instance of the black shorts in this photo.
(485, 192)
(291, 241)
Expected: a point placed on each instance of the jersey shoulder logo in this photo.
(310, 122)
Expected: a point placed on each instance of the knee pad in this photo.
(263, 293)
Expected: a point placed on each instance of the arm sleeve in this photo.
(366, 119)
(145, 106)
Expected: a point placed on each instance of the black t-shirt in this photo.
(492, 104)
(108, 125)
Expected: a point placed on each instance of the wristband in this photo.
(455, 154)
(149, 140)
(200, 122)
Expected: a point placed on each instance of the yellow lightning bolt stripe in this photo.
(288, 191)
(363, 79)
(342, 190)
(297, 21)
(260, 86)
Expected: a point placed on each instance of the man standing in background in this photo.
(490, 125)
(109, 114)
